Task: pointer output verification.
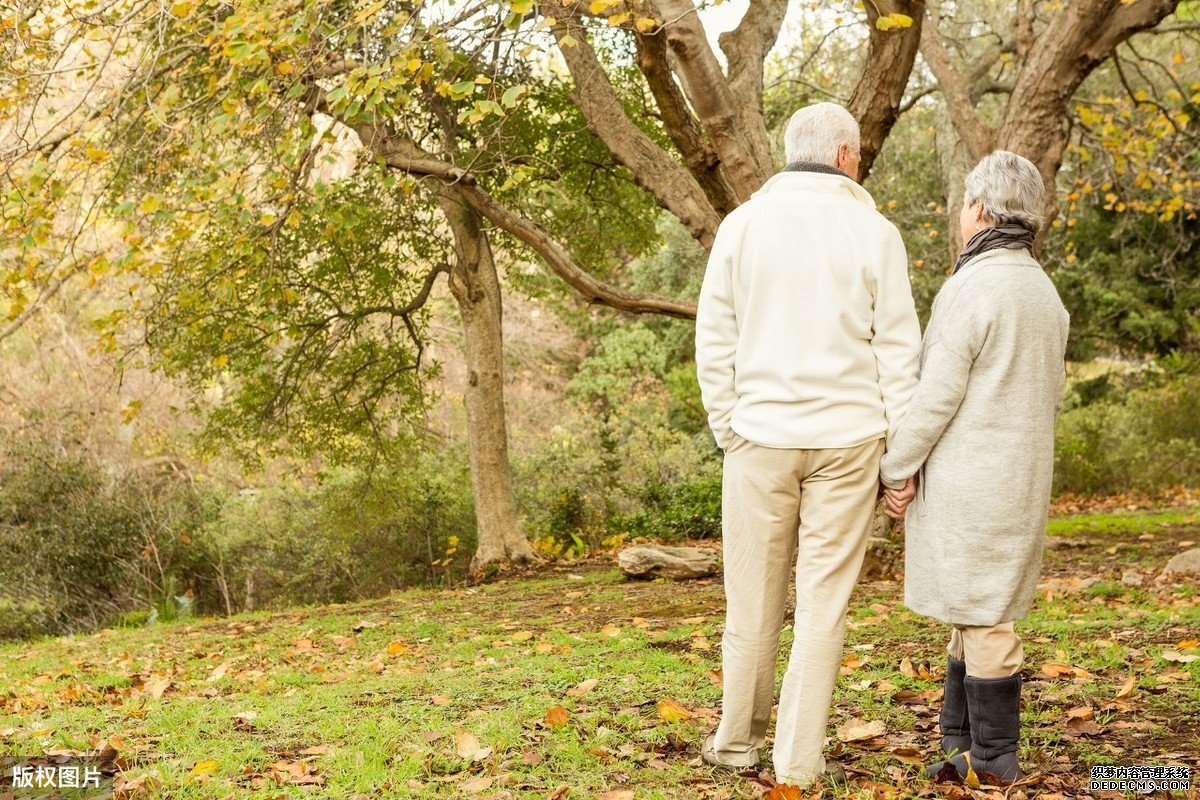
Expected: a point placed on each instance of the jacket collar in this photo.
(1013, 258)
(816, 183)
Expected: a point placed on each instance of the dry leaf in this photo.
(584, 687)
(397, 649)
(617, 794)
(1175, 655)
(784, 791)
(856, 730)
(1127, 688)
(467, 746)
(557, 717)
(477, 784)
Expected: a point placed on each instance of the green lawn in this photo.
(456, 692)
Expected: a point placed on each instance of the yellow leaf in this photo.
(672, 711)
(182, 8)
(646, 24)
(205, 768)
(1127, 688)
(397, 649)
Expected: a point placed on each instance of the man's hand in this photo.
(898, 499)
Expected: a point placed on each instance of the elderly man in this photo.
(806, 350)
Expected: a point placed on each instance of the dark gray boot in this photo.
(954, 721)
(995, 711)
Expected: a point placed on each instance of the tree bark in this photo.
(877, 95)
(476, 288)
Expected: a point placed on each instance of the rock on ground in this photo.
(653, 561)
(1183, 563)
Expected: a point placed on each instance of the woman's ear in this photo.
(978, 210)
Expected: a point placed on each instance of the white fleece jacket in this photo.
(806, 333)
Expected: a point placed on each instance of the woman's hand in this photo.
(898, 499)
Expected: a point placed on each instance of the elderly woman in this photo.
(974, 454)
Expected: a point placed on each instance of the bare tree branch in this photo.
(976, 136)
(653, 168)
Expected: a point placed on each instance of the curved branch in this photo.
(880, 89)
(653, 168)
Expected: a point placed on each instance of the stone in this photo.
(1089, 582)
(1131, 578)
(654, 561)
(1187, 562)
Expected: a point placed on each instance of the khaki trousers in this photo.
(813, 507)
(991, 651)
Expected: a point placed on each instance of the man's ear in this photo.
(843, 155)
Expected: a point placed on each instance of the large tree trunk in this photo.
(476, 288)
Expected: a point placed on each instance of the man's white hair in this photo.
(1010, 188)
(814, 133)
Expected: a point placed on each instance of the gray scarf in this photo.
(813, 166)
(1007, 237)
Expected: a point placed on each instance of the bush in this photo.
(80, 545)
(353, 535)
(1142, 438)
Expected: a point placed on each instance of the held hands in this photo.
(898, 499)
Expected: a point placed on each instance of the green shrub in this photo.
(1145, 438)
(23, 619)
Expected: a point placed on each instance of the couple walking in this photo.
(818, 387)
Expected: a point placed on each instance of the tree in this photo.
(1038, 57)
(209, 130)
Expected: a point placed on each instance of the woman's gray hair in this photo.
(814, 133)
(1010, 188)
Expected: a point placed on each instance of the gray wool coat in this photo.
(979, 432)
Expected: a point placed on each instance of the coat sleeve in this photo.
(896, 333)
(716, 340)
(945, 374)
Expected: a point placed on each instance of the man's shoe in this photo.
(734, 761)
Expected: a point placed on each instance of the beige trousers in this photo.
(991, 651)
(813, 507)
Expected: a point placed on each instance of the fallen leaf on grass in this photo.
(584, 687)
(1178, 657)
(134, 788)
(296, 773)
(1081, 713)
(784, 791)
(672, 711)
(557, 717)
(521, 636)
(1127, 688)
(617, 794)
(611, 631)
(156, 686)
(467, 746)
(397, 649)
(856, 730)
(1083, 727)
(477, 784)
(205, 769)
(909, 755)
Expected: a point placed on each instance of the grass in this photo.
(457, 692)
